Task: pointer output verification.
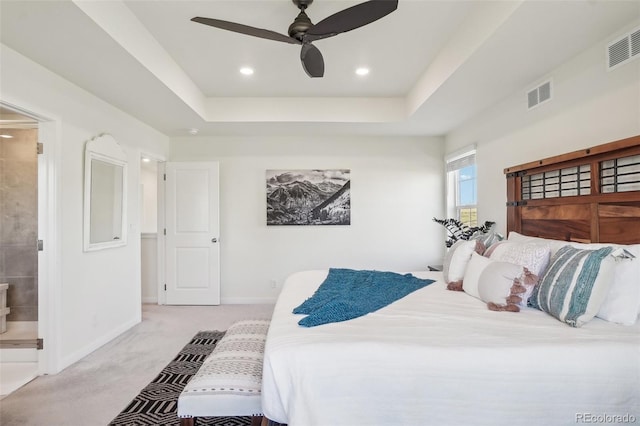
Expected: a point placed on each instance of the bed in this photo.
(441, 357)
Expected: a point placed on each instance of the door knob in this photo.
(214, 240)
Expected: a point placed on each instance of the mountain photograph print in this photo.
(308, 197)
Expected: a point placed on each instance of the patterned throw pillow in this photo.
(534, 257)
(575, 284)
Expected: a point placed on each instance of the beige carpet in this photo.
(95, 389)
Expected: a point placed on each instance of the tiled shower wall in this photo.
(18, 222)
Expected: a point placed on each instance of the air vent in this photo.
(539, 95)
(634, 38)
(623, 50)
(544, 92)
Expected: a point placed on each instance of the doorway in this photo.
(150, 261)
(192, 251)
(180, 258)
(19, 204)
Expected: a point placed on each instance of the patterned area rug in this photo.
(157, 404)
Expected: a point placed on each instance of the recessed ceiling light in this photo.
(145, 159)
(362, 71)
(246, 71)
(193, 131)
(6, 136)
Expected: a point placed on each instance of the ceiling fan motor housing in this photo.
(300, 26)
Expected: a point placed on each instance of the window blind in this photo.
(461, 159)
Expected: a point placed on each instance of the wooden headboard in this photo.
(591, 195)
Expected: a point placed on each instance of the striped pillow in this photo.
(575, 284)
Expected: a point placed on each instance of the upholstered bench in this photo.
(230, 379)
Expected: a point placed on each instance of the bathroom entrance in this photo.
(18, 249)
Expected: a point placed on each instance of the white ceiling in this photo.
(434, 64)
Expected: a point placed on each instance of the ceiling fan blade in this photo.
(312, 61)
(245, 29)
(351, 18)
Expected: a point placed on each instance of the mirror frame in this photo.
(103, 148)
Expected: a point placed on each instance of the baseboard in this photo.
(18, 355)
(79, 354)
(150, 299)
(248, 300)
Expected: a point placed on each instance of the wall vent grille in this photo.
(539, 95)
(635, 43)
(623, 50)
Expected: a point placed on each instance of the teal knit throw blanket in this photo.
(346, 294)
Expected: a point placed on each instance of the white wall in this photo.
(590, 106)
(396, 189)
(149, 267)
(94, 296)
(148, 230)
(149, 197)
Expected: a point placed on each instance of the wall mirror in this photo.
(105, 196)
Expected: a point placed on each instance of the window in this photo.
(462, 186)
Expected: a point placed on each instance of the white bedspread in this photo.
(438, 357)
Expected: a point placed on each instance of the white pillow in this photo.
(506, 287)
(456, 259)
(476, 265)
(495, 282)
(622, 304)
(533, 256)
(575, 284)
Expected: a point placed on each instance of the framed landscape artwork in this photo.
(308, 197)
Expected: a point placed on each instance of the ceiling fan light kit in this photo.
(303, 32)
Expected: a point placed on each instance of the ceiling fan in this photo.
(303, 32)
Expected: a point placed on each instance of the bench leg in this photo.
(187, 421)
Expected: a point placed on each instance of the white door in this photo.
(192, 249)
